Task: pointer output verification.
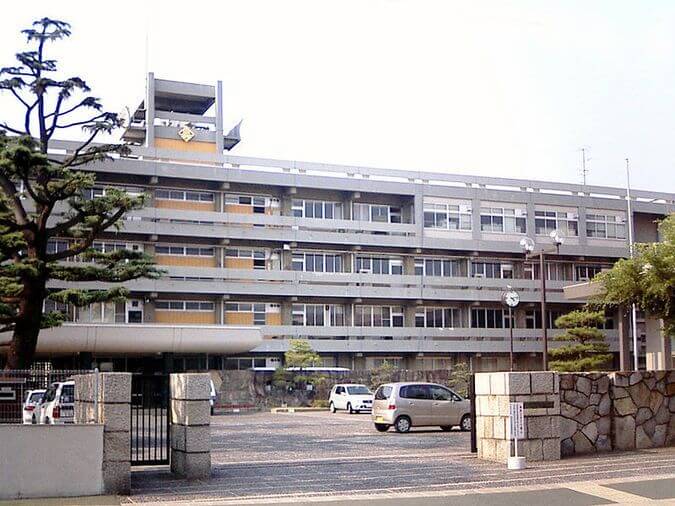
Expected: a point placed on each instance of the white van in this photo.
(58, 404)
(351, 397)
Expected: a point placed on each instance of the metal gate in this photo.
(150, 420)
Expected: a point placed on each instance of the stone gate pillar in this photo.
(191, 425)
(112, 408)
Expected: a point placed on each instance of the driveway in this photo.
(288, 457)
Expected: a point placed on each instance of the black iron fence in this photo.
(150, 419)
(15, 385)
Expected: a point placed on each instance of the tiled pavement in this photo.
(310, 457)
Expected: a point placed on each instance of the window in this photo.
(443, 394)
(184, 251)
(257, 256)
(486, 270)
(383, 393)
(605, 226)
(503, 220)
(447, 216)
(258, 203)
(437, 267)
(376, 213)
(192, 196)
(440, 317)
(183, 305)
(587, 272)
(328, 315)
(378, 316)
(422, 392)
(533, 318)
(317, 209)
(376, 265)
(546, 222)
(317, 262)
(485, 318)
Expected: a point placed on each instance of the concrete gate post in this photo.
(190, 425)
(112, 408)
(539, 392)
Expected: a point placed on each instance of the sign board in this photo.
(516, 421)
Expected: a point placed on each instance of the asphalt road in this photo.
(288, 457)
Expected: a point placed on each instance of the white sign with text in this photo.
(516, 420)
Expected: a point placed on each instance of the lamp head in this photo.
(558, 237)
(527, 245)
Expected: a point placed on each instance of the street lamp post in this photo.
(528, 247)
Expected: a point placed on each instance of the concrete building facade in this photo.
(369, 264)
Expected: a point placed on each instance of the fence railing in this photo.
(15, 385)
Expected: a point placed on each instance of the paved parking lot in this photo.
(287, 457)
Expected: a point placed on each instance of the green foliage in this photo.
(320, 403)
(585, 348)
(460, 375)
(646, 280)
(384, 373)
(299, 356)
(43, 196)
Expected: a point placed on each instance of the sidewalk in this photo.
(657, 491)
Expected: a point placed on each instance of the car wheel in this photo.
(381, 427)
(33, 420)
(465, 424)
(446, 428)
(402, 424)
(47, 421)
(332, 408)
(349, 408)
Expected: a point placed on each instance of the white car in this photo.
(31, 404)
(58, 404)
(351, 397)
(212, 397)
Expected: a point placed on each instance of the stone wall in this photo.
(112, 409)
(616, 411)
(251, 389)
(539, 390)
(586, 413)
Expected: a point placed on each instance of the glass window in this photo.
(422, 392)
(546, 222)
(447, 216)
(605, 226)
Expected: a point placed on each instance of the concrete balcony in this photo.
(412, 340)
(146, 338)
(283, 283)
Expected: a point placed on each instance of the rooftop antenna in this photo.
(584, 169)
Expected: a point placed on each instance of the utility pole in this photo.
(631, 249)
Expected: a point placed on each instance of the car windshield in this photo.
(358, 390)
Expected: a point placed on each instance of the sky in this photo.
(491, 88)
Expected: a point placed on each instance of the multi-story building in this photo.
(369, 264)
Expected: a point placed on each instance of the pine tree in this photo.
(43, 196)
(585, 348)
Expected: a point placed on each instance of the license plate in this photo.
(379, 419)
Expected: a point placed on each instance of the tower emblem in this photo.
(186, 133)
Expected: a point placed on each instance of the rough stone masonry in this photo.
(575, 413)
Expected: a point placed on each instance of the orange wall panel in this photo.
(180, 145)
(185, 261)
(197, 317)
(238, 263)
(238, 209)
(236, 318)
(185, 204)
(273, 318)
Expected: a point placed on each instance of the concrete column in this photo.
(476, 233)
(190, 425)
(409, 265)
(582, 226)
(113, 410)
(418, 213)
(624, 340)
(658, 346)
(219, 118)
(150, 111)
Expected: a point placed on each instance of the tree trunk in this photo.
(21, 350)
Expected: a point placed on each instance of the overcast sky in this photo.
(497, 88)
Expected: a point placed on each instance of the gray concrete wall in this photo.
(50, 460)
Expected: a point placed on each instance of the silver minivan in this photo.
(406, 405)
